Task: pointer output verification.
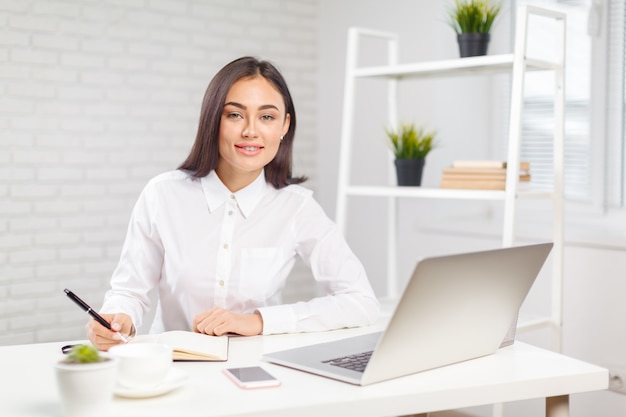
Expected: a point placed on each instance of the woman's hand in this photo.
(217, 321)
(103, 338)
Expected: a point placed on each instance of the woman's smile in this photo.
(250, 150)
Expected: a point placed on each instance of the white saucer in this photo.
(176, 378)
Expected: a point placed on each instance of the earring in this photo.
(281, 138)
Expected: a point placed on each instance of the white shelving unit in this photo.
(517, 64)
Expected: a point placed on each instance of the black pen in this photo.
(92, 312)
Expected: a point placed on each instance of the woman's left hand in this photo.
(217, 321)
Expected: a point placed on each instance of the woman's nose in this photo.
(249, 129)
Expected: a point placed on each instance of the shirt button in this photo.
(232, 196)
(221, 282)
(225, 245)
(230, 212)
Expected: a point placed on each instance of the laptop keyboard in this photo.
(356, 362)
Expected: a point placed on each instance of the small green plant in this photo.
(473, 16)
(410, 142)
(84, 354)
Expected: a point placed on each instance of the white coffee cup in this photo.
(142, 365)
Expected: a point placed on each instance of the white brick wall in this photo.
(96, 98)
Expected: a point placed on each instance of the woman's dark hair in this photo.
(204, 154)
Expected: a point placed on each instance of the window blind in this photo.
(617, 98)
(622, 38)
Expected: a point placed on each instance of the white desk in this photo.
(517, 372)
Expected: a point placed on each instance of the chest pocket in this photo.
(260, 272)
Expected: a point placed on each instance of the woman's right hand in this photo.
(103, 338)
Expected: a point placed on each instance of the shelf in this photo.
(440, 193)
(516, 65)
(488, 64)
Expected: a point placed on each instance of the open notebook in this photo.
(190, 346)
(454, 308)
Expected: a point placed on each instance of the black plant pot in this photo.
(409, 171)
(473, 44)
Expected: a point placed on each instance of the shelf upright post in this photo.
(343, 180)
(345, 144)
(392, 206)
(558, 192)
(514, 146)
(515, 126)
(558, 146)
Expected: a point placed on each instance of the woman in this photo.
(218, 237)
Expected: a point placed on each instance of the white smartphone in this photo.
(251, 377)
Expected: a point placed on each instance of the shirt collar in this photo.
(216, 193)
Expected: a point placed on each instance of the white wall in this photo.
(461, 110)
(96, 98)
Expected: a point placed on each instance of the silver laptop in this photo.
(454, 308)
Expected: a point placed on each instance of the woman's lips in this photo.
(249, 149)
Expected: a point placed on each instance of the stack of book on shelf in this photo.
(480, 175)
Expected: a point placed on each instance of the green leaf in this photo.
(410, 142)
(473, 16)
(84, 354)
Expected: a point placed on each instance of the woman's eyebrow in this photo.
(241, 106)
(235, 104)
(268, 106)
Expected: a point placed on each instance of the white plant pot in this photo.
(86, 389)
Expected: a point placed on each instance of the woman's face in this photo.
(253, 120)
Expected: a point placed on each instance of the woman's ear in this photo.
(286, 124)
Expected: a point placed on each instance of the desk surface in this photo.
(516, 372)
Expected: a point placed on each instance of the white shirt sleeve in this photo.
(349, 299)
(140, 263)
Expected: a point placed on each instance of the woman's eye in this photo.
(267, 117)
(234, 116)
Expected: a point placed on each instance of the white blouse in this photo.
(203, 246)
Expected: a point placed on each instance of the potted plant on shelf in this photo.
(472, 21)
(86, 382)
(410, 146)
